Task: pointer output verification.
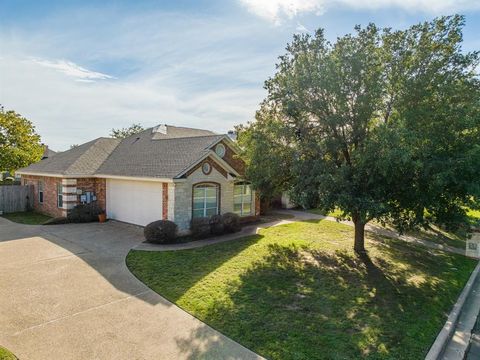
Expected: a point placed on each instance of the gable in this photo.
(231, 157)
(214, 165)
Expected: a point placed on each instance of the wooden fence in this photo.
(15, 198)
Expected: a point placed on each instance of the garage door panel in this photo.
(135, 202)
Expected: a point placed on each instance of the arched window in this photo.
(205, 200)
(242, 199)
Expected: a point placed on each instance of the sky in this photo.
(77, 69)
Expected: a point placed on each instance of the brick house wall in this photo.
(95, 185)
(49, 205)
(233, 160)
(70, 196)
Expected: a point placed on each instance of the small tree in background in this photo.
(382, 124)
(19, 143)
(126, 132)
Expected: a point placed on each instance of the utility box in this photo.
(473, 245)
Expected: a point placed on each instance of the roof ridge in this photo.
(189, 137)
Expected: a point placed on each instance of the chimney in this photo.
(162, 129)
(45, 151)
(232, 134)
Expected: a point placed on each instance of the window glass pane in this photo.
(198, 203)
(40, 196)
(60, 201)
(247, 199)
(237, 208)
(198, 192)
(211, 202)
(211, 192)
(198, 213)
(247, 190)
(237, 190)
(211, 211)
(246, 209)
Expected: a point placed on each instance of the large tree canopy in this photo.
(382, 124)
(19, 144)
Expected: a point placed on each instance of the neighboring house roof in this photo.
(161, 152)
(82, 160)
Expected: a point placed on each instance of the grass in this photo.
(432, 233)
(337, 213)
(6, 355)
(298, 291)
(474, 216)
(27, 217)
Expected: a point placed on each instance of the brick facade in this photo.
(165, 201)
(95, 185)
(232, 159)
(69, 193)
(49, 205)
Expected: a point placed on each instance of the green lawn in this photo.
(6, 355)
(474, 216)
(27, 217)
(433, 233)
(298, 291)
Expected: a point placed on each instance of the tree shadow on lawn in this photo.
(175, 282)
(298, 303)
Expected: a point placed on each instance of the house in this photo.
(165, 172)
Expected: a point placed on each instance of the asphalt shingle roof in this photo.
(151, 153)
(141, 155)
(82, 160)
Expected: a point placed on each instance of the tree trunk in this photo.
(359, 245)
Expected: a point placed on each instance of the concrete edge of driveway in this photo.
(448, 329)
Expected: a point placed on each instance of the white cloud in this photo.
(301, 28)
(277, 10)
(209, 75)
(71, 69)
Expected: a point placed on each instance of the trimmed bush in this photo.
(56, 221)
(161, 232)
(231, 222)
(200, 227)
(216, 225)
(84, 213)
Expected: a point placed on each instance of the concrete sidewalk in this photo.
(456, 347)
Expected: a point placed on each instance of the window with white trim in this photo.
(242, 199)
(40, 191)
(60, 195)
(205, 200)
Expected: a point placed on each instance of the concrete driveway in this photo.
(66, 293)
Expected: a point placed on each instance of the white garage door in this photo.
(135, 202)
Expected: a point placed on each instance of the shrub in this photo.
(56, 221)
(200, 227)
(231, 222)
(216, 225)
(84, 213)
(161, 232)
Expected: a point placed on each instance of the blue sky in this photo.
(79, 68)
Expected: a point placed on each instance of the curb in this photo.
(448, 329)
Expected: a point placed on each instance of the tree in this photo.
(126, 132)
(382, 124)
(19, 143)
